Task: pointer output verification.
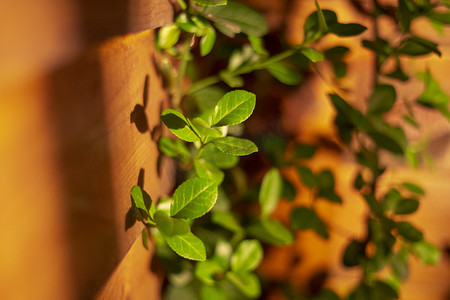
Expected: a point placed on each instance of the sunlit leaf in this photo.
(233, 108)
(235, 146)
(270, 192)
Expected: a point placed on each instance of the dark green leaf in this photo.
(316, 24)
(355, 117)
(443, 18)
(390, 138)
(409, 232)
(391, 199)
(336, 53)
(304, 151)
(193, 198)
(404, 15)
(303, 218)
(247, 256)
(289, 192)
(233, 108)
(383, 291)
(306, 176)
(350, 29)
(270, 192)
(179, 125)
(326, 294)
(416, 46)
(359, 182)
(354, 254)
(374, 205)
(361, 292)
(235, 146)
(240, 15)
(399, 264)
(382, 99)
(406, 206)
(177, 234)
(427, 253)
(284, 73)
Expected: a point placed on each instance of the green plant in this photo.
(204, 221)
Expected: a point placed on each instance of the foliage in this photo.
(202, 221)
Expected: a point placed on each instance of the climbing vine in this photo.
(210, 233)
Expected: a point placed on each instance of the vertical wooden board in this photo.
(70, 151)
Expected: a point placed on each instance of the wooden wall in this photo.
(79, 117)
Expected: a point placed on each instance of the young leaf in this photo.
(205, 169)
(382, 99)
(205, 271)
(312, 54)
(168, 36)
(240, 16)
(193, 198)
(205, 132)
(177, 234)
(271, 231)
(413, 188)
(284, 73)
(270, 192)
(210, 2)
(143, 201)
(247, 283)
(247, 256)
(257, 44)
(233, 108)
(235, 146)
(433, 96)
(179, 125)
(207, 41)
(406, 206)
(427, 253)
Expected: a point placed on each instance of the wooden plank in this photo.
(39, 35)
(70, 151)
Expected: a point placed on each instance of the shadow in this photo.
(77, 117)
(134, 214)
(138, 115)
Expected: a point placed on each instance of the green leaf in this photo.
(306, 176)
(350, 114)
(233, 108)
(227, 220)
(383, 291)
(179, 125)
(289, 192)
(247, 283)
(209, 292)
(284, 73)
(207, 41)
(390, 138)
(210, 2)
(374, 205)
(359, 182)
(443, 18)
(312, 54)
(433, 96)
(399, 263)
(240, 16)
(143, 201)
(321, 18)
(205, 169)
(206, 270)
(185, 23)
(354, 253)
(193, 198)
(413, 188)
(235, 146)
(303, 218)
(427, 253)
(406, 206)
(247, 256)
(257, 44)
(382, 99)
(316, 24)
(270, 192)
(271, 231)
(217, 157)
(416, 46)
(168, 36)
(205, 132)
(345, 30)
(337, 53)
(409, 232)
(304, 151)
(173, 148)
(391, 199)
(326, 294)
(208, 97)
(404, 15)
(177, 234)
